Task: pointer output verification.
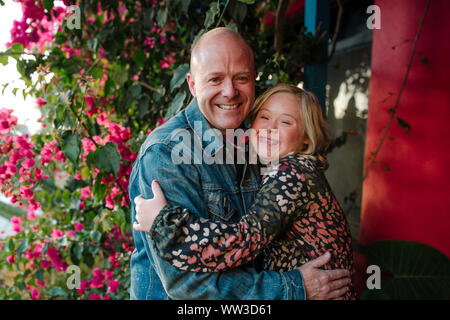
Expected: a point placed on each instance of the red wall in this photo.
(412, 200)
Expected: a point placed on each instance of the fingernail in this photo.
(156, 181)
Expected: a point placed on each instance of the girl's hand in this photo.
(148, 209)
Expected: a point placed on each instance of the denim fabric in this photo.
(208, 190)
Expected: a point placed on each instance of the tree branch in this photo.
(405, 80)
(337, 30)
(279, 24)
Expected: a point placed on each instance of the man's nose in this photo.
(229, 90)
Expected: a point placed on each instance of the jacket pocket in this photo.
(219, 204)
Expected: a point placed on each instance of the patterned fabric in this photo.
(295, 218)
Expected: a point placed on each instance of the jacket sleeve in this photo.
(222, 246)
(180, 184)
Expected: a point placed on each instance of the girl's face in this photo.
(278, 127)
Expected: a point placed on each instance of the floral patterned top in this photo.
(295, 218)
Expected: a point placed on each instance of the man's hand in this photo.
(148, 209)
(324, 284)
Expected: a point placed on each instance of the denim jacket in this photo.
(208, 190)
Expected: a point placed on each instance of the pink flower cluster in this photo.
(7, 120)
(50, 151)
(19, 165)
(99, 280)
(35, 29)
(120, 136)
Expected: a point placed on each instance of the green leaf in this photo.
(109, 158)
(119, 74)
(88, 259)
(143, 105)
(44, 249)
(11, 246)
(232, 26)
(198, 35)
(176, 105)
(4, 59)
(76, 251)
(106, 158)
(22, 247)
(179, 76)
(71, 146)
(139, 57)
(213, 11)
(95, 235)
(48, 4)
(97, 73)
(57, 292)
(247, 1)
(99, 188)
(16, 47)
(238, 11)
(161, 17)
(405, 125)
(185, 6)
(135, 90)
(419, 271)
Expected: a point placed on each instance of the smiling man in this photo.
(222, 80)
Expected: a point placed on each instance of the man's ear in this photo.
(191, 84)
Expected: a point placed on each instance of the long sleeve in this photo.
(198, 244)
(240, 283)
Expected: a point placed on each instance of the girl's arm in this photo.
(203, 245)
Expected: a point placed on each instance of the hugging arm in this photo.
(180, 184)
(202, 245)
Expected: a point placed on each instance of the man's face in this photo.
(222, 79)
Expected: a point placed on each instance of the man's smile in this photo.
(228, 106)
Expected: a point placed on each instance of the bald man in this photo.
(222, 81)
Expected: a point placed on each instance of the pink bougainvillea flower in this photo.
(26, 192)
(45, 264)
(56, 233)
(83, 286)
(28, 164)
(78, 226)
(98, 280)
(41, 102)
(11, 258)
(35, 294)
(71, 233)
(16, 224)
(112, 286)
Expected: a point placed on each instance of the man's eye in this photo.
(214, 80)
(242, 78)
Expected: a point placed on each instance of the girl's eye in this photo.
(286, 122)
(264, 117)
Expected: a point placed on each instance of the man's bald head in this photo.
(217, 37)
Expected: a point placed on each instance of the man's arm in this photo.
(181, 187)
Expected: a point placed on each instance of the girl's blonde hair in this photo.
(315, 127)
